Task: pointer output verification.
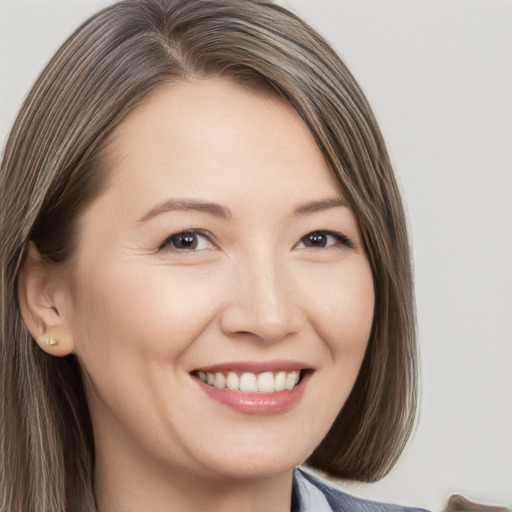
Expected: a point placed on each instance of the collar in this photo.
(307, 496)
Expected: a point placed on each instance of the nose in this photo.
(261, 303)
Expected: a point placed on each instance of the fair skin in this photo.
(270, 277)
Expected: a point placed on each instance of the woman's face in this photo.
(221, 250)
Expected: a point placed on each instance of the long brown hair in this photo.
(55, 162)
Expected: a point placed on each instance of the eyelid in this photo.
(340, 237)
(201, 232)
(343, 239)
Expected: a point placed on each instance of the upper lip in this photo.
(255, 366)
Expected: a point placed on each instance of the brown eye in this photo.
(184, 241)
(324, 239)
(187, 241)
(315, 239)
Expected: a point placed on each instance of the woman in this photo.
(206, 278)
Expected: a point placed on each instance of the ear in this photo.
(41, 299)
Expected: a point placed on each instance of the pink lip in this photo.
(257, 403)
(256, 366)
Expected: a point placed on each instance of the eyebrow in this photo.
(320, 206)
(183, 205)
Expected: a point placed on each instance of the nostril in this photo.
(252, 323)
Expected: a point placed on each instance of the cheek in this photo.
(342, 311)
(131, 315)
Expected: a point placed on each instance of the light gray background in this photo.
(439, 76)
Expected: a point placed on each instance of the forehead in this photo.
(216, 140)
(203, 128)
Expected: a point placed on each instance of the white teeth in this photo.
(220, 380)
(280, 381)
(266, 382)
(232, 382)
(291, 379)
(248, 382)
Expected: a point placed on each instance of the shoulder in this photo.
(318, 495)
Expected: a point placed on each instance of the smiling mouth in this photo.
(248, 382)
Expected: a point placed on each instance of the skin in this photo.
(142, 313)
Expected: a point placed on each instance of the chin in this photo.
(259, 462)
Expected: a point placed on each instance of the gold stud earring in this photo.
(50, 340)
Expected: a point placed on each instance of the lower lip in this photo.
(257, 403)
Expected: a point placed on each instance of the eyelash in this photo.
(195, 233)
(339, 237)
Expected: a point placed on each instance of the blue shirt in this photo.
(314, 494)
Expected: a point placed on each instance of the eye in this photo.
(323, 239)
(188, 241)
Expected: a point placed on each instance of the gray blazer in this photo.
(313, 494)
